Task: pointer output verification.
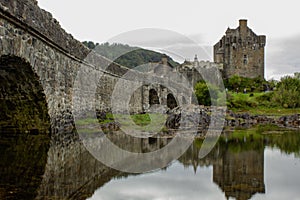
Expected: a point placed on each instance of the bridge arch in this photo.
(22, 100)
(153, 97)
(171, 101)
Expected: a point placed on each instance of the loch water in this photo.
(255, 166)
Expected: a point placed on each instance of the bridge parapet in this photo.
(28, 14)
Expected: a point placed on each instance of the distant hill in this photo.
(130, 56)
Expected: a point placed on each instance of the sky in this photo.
(204, 22)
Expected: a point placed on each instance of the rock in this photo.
(232, 119)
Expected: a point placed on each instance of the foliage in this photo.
(242, 139)
(238, 83)
(288, 92)
(287, 142)
(141, 119)
(240, 100)
(126, 55)
(207, 94)
(90, 44)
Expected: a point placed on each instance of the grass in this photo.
(260, 110)
(142, 122)
(86, 121)
(257, 104)
(141, 119)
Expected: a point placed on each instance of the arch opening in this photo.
(22, 101)
(171, 101)
(153, 97)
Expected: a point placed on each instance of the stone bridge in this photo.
(39, 67)
(39, 64)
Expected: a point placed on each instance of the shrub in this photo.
(207, 94)
(288, 92)
(239, 83)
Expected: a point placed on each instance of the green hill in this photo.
(130, 56)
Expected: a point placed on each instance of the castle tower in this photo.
(241, 52)
(196, 62)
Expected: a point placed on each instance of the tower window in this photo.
(245, 59)
(234, 39)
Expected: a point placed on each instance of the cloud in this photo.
(283, 56)
(175, 184)
(178, 46)
(281, 176)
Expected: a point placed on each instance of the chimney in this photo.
(243, 26)
(164, 60)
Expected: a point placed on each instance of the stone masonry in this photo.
(241, 52)
(30, 36)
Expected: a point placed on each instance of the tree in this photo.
(254, 84)
(206, 93)
(288, 92)
(234, 82)
(90, 44)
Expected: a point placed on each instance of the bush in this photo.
(241, 101)
(207, 96)
(288, 92)
(266, 100)
(239, 83)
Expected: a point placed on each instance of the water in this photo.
(281, 181)
(256, 167)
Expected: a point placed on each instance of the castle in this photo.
(241, 52)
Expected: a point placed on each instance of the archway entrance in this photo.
(22, 101)
(171, 101)
(153, 97)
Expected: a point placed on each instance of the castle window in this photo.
(227, 40)
(221, 43)
(245, 59)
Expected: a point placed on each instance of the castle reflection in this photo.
(240, 174)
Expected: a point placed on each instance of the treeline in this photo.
(126, 55)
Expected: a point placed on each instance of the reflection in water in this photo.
(22, 165)
(236, 166)
(238, 172)
(239, 169)
(240, 175)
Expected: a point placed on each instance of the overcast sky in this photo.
(202, 21)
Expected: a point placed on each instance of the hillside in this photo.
(130, 56)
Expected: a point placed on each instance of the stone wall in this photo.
(50, 66)
(197, 71)
(57, 59)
